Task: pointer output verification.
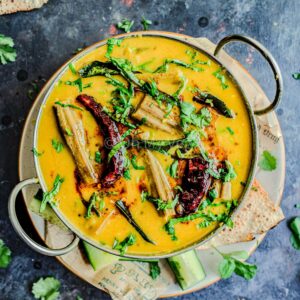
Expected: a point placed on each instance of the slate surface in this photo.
(45, 38)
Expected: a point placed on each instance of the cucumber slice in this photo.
(48, 214)
(187, 269)
(98, 258)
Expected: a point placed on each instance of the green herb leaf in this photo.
(46, 289)
(57, 145)
(188, 116)
(296, 76)
(92, 206)
(48, 196)
(226, 268)
(230, 264)
(295, 228)
(227, 174)
(173, 169)
(68, 105)
(115, 149)
(69, 132)
(125, 25)
(36, 153)
(110, 46)
(72, 68)
(5, 255)
(144, 195)
(122, 246)
(218, 74)
(267, 161)
(245, 270)
(135, 165)
(98, 158)
(230, 130)
(77, 82)
(146, 23)
(154, 269)
(7, 50)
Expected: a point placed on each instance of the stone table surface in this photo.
(45, 38)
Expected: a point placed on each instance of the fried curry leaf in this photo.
(46, 289)
(122, 246)
(267, 161)
(48, 196)
(7, 50)
(5, 255)
(125, 25)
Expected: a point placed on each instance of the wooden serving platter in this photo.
(270, 138)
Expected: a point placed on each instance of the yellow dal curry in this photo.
(223, 138)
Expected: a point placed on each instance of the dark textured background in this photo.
(45, 38)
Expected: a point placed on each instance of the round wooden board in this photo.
(270, 138)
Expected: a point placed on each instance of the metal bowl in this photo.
(182, 39)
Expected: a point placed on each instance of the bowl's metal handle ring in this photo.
(270, 59)
(19, 230)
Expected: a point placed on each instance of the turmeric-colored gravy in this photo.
(223, 138)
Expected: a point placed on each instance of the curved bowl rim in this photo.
(188, 40)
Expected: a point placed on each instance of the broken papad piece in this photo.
(257, 215)
(12, 6)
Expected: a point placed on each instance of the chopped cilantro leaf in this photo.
(98, 158)
(7, 50)
(46, 289)
(57, 145)
(218, 74)
(122, 246)
(68, 105)
(135, 165)
(146, 23)
(154, 269)
(125, 25)
(110, 46)
(5, 255)
(72, 68)
(267, 161)
(48, 196)
(36, 153)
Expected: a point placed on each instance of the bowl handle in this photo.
(270, 59)
(19, 230)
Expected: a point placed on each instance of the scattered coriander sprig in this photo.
(267, 161)
(146, 23)
(7, 51)
(232, 263)
(46, 289)
(125, 25)
(5, 255)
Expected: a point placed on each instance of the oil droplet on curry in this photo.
(145, 143)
